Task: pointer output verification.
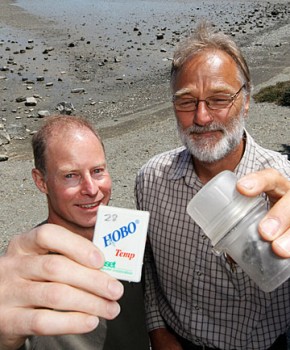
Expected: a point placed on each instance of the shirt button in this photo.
(196, 307)
(199, 273)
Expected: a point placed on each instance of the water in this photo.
(114, 12)
(112, 22)
(112, 17)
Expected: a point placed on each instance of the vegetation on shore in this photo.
(278, 93)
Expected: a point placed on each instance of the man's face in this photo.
(210, 134)
(76, 181)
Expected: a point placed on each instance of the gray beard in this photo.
(201, 150)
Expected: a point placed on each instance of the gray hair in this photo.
(205, 38)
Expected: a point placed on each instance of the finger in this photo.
(281, 246)
(66, 298)
(275, 226)
(277, 187)
(277, 220)
(45, 322)
(58, 268)
(269, 181)
(54, 238)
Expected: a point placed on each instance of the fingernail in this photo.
(284, 244)
(247, 183)
(116, 289)
(92, 322)
(113, 309)
(96, 260)
(270, 227)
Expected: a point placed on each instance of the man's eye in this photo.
(185, 103)
(98, 171)
(220, 100)
(70, 177)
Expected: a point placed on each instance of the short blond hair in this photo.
(56, 124)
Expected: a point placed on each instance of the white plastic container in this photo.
(230, 220)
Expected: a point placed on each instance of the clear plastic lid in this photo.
(218, 206)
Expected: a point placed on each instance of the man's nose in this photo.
(202, 115)
(89, 185)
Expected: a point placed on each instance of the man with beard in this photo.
(193, 298)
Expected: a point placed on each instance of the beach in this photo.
(115, 71)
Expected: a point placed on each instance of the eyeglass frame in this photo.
(231, 98)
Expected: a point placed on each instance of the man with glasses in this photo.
(193, 298)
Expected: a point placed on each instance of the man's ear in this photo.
(247, 106)
(39, 180)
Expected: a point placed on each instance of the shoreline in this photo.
(133, 115)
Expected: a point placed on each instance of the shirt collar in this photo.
(182, 165)
(184, 168)
(248, 160)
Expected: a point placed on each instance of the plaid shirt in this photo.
(189, 288)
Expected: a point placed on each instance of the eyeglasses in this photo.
(220, 101)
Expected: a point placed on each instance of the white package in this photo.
(121, 236)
